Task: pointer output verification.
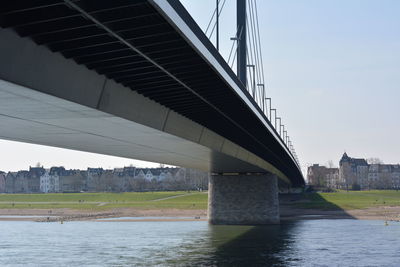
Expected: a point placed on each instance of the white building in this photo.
(149, 175)
(50, 181)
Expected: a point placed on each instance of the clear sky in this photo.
(332, 69)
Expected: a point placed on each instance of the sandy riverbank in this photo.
(287, 213)
(65, 214)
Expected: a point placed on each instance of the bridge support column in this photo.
(243, 199)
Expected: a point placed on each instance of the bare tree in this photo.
(374, 161)
(385, 181)
(139, 184)
(330, 164)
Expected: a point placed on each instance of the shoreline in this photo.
(288, 213)
(66, 214)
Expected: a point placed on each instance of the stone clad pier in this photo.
(243, 199)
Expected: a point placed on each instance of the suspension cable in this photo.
(215, 24)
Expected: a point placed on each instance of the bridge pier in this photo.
(243, 199)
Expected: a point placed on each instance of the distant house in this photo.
(149, 175)
(357, 173)
(158, 174)
(353, 172)
(107, 181)
(139, 173)
(124, 178)
(45, 182)
(321, 176)
(129, 171)
(161, 174)
(21, 182)
(34, 179)
(121, 179)
(10, 182)
(2, 182)
(71, 181)
(93, 180)
(384, 176)
(395, 176)
(50, 180)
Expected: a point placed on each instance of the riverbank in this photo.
(167, 206)
(65, 214)
(288, 213)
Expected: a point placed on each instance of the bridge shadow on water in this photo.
(239, 245)
(272, 245)
(309, 206)
(252, 245)
(268, 245)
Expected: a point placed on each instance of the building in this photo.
(160, 174)
(58, 179)
(21, 182)
(322, 177)
(356, 173)
(34, 179)
(2, 182)
(384, 176)
(353, 173)
(93, 180)
(50, 180)
(10, 182)
(71, 181)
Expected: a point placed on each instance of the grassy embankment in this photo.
(350, 200)
(184, 200)
(105, 201)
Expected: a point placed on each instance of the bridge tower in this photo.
(241, 35)
(243, 198)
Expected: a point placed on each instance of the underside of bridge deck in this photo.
(155, 49)
(139, 79)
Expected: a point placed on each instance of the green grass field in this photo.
(351, 200)
(184, 200)
(104, 201)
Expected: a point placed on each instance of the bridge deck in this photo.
(146, 46)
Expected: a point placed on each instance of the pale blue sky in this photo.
(332, 69)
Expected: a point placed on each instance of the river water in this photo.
(195, 243)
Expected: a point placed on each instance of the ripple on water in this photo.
(191, 243)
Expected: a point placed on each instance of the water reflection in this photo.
(240, 246)
(299, 243)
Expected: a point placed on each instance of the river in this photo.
(195, 243)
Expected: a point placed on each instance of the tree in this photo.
(374, 161)
(139, 184)
(330, 164)
(385, 180)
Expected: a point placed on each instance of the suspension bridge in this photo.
(140, 79)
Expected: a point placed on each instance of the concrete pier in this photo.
(243, 199)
